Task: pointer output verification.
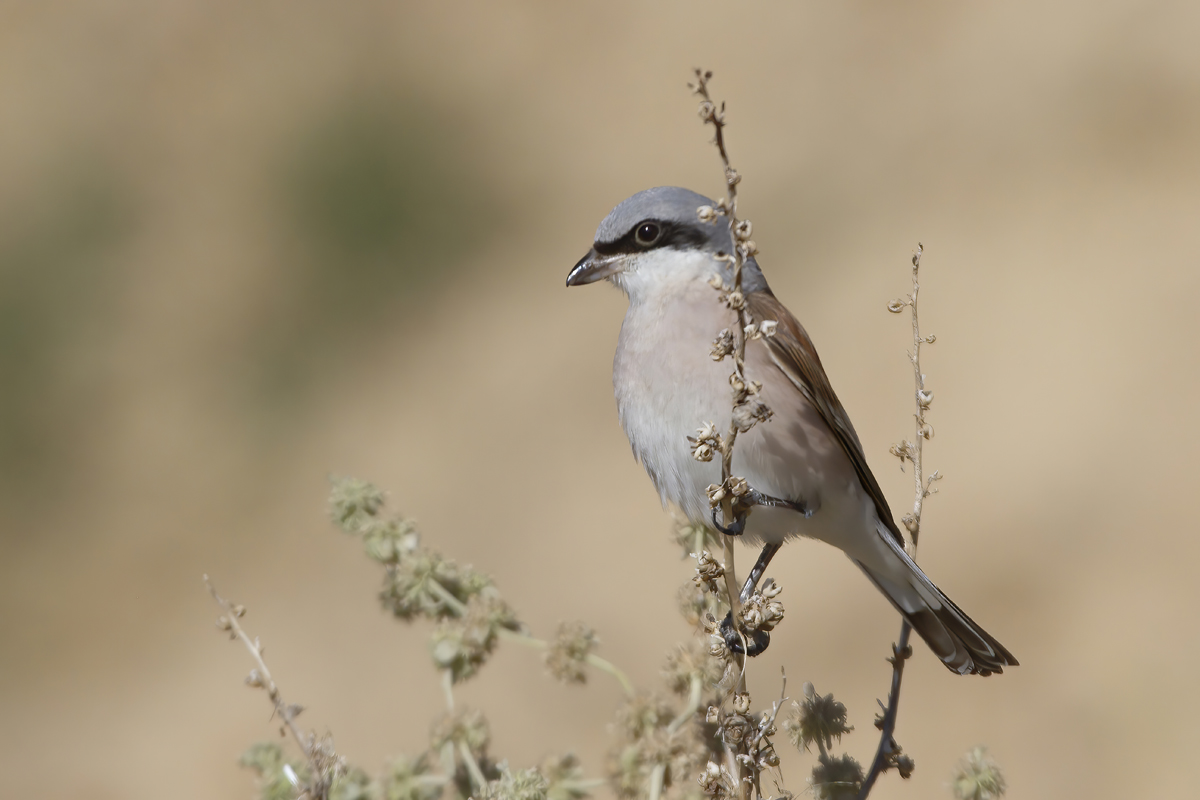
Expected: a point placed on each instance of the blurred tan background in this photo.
(247, 245)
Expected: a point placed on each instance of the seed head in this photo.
(723, 345)
(836, 779)
(978, 777)
(567, 654)
(708, 571)
(816, 719)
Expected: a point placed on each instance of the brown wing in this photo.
(793, 352)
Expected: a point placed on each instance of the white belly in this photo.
(666, 390)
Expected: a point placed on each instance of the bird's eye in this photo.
(647, 233)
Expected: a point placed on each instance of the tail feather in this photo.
(955, 638)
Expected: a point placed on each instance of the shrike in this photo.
(655, 248)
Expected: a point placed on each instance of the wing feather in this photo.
(794, 354)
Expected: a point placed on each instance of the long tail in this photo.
(955, 638)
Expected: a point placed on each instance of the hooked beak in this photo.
(595, 267)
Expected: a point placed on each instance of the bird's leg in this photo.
(756, 641)
(757, 498)
(760, 566)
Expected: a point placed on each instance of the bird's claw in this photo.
(752, 498)
(736, 528)
(756, 641)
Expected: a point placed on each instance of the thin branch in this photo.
(261, 677)
(913, 452)
(729, 494)
(473, 770)
(887, 724)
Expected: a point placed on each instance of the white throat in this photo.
(660, 275)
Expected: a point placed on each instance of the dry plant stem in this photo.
(715, 116)
(448, 689)
(900, 653)
(656, 781)
(717, 120)
(458, 609)
(901, 650)
(922, 491)
(477, 778)
(232, 613)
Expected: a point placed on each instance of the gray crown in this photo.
(678, 205)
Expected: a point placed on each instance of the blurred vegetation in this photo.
(56, 267)
(381, 201)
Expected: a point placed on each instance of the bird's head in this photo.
(657, 237)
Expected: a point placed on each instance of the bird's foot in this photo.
(753, 497)
(756, 642)
(736, 528)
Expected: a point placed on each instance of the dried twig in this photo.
(324, 764)
(888, 753)
(746, 755)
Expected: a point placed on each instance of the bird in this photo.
(807, 458)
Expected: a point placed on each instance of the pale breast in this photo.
(667, 386)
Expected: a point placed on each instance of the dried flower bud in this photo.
(722, 345)
(741, 703)
(255, 680)
(767, 327)
(761, 611)
(903, 451)
(708, 571)
(742, 230)
(716, 493)
(706, 213)
(734, 729)
(910, 523)
(717, 282)
(713, 716)
(897, 305)
(738, 486)
(751, 617)
(735, 300)
(717, 648)
(748, 249)
(716, 782)
(707, 111)
(224, 624)
(702, 452)
(930, 339)
(750, 412)
(732, 177)
(924, 398)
